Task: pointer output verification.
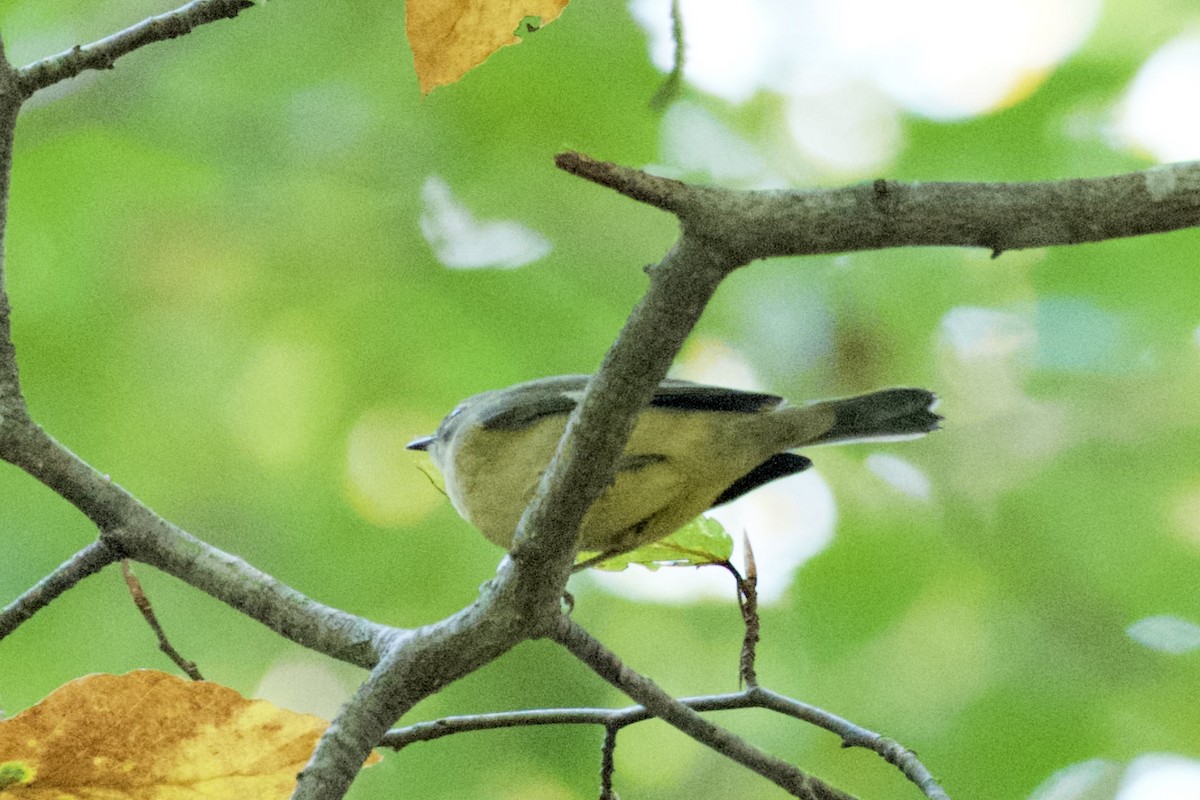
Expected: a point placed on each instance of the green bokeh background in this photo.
(216, 271)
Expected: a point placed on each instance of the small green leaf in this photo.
(701, 541)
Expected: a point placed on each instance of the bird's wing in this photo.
(548, 398)
(777, 466)
(698, 397)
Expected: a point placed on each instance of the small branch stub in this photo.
(147, 611)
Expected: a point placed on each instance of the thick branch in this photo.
(523, 601)
(680, 287)
(102, 54)
(130, 529)
(12, 404)
(415, 665)
(870, 216)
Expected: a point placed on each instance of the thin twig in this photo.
(748, 602)
(664, 193)
(143, 605)
(855, 736)
(608, 753)
(674, 80)
(852, 735)
(88, 561)
(605, 664)
(103, 53)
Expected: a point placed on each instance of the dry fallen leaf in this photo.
(148, 735)
(451, 37)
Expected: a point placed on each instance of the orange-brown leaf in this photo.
(148, 735)
(451, 37)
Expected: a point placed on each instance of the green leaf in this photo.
(701, 541)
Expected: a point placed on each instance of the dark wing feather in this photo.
(696, 397)
(552, 396)
(524, 414)
(777, 466)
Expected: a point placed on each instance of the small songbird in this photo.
(692, 448)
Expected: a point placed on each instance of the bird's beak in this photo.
(419, 444)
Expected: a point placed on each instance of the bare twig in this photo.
(855, 736)
(664, 193)
(88, 561)
(608, 752)
(748, 602)
(605, 664)
(674, 80)
(143, 605)
(103, 53)
(852, 735)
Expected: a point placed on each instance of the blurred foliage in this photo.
(219, 280)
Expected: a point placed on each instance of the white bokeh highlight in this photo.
(1077, 781)
(901, 475)
(847, 70)
(694, 142)
(1166, 634)
(1161, 776)
(1155, 115)
(985, 333)
(460, 241)
(947, 59)
(729, 49)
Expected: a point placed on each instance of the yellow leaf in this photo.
(451, 37)
(148, 735)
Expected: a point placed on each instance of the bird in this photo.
(693, 447)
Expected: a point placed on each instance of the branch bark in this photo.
(129, 529)
(871, 216)
(104, 53)
(672, 711)
(614, 719)
(88, 561)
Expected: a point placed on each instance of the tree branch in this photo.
(616, 718)
(414, 665)
(585, 463)
(871, 216)
(130, 529)
(88, 561)
(146, 609)
(800, 784)
(522, 602)
(853, 736)
(103, 53)
(12, 403)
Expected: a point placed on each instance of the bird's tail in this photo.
(886, 415)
